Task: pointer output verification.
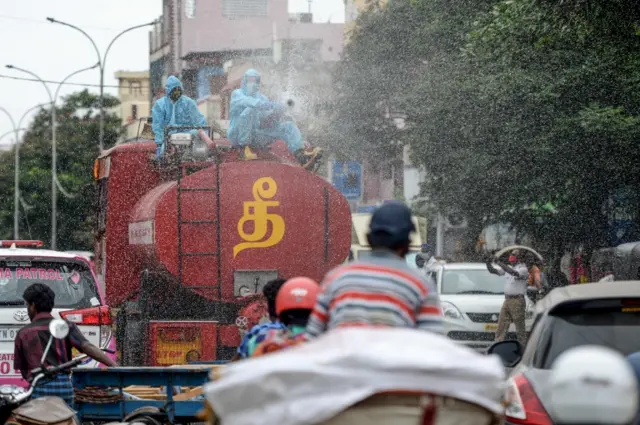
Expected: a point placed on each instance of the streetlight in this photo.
(3, 135)
(54, 153)
(101, 63)
(16, 166)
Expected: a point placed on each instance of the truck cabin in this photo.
(360, 246)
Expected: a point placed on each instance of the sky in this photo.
(53, 51)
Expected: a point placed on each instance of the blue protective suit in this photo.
(183, 112)
(249, 113)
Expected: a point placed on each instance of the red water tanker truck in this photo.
(185, 245)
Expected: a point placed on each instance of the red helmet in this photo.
(298, 293)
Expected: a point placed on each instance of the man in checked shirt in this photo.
(382, 289)
(32, 340)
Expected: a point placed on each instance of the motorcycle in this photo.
(16, 406)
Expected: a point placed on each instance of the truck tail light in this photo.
(95, 316)
(524, 407)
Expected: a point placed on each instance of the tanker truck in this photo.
(184, 245)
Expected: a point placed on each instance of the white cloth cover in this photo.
(312, 382)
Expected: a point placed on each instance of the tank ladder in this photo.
(182, 173)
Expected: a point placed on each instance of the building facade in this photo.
(194, 39)
(133, 92)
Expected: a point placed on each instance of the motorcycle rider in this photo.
(593, 385)
(32, 340)
(634, 361)
(270, 292)
(382, 289)
(294, 304)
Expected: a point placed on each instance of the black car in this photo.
(605, 314)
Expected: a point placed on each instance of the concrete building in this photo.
(195, 39)
(133, 92)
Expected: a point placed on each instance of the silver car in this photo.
(587, 314)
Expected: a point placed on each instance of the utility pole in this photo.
(101, 64)
(54, 151)
(440, 235)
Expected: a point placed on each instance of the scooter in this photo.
(16, 406)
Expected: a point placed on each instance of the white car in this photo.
(79, 299)
(471, 299)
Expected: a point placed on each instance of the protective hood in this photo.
(172, 83)
(250, 73)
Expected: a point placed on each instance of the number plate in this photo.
(8, 334)
(491, 327)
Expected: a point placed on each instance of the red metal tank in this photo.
(249, 215)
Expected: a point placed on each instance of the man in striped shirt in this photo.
(382, 289)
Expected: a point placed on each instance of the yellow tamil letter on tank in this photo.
(256, 211)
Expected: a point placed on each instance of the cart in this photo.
(111, 403)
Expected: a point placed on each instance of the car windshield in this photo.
(478, 281)
(72, 283)
(410, 257)
(616, 329)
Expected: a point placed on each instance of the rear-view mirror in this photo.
(510, 352)
(59, 329)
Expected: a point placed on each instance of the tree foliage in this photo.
(77, 148)
(510, 105)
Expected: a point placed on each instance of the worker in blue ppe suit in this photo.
(258, 122)
(174, 109)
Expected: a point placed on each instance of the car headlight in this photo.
(451, 311)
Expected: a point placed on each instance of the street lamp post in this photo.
(16, 166)
(16, 194)
(101, 63)
(54, 153)
(3, 135)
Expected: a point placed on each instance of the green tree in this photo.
(510, 105)
(77, 135)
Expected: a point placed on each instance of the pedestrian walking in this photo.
(515, 288)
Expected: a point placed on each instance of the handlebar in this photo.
(40, 373)
(68, 365)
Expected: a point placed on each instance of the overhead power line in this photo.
(58, 82)
(42, 21)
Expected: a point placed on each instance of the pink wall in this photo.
(210, 31)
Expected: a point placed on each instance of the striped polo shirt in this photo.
(381, 290)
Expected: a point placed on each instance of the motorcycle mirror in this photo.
(59, 329)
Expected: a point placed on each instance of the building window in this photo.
(244, 8)
(135, 87)
(134, 112)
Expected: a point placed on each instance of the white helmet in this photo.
(593, 385)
